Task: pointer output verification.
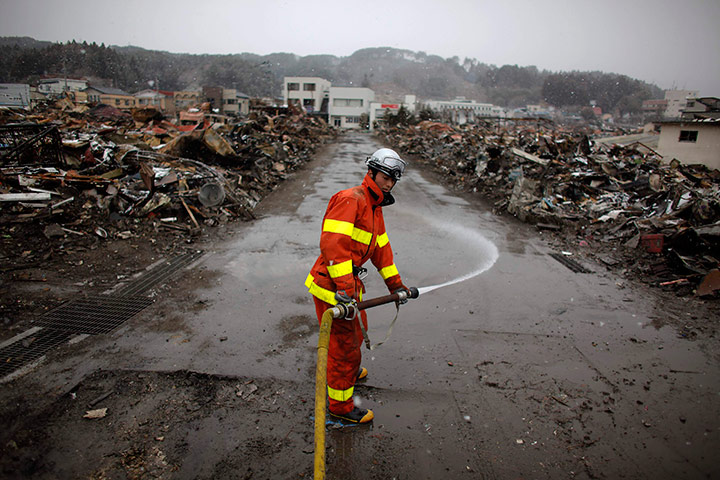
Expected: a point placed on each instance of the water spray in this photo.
(486, 247)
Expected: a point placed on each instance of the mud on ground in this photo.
(157, 423)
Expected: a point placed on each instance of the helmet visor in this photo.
(393, 166)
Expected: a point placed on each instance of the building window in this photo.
(688, 136)
(309, 87)
(293, 86)
(690, 103)
(117, 102)
(347, 102)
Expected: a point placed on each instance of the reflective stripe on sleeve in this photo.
(361, 236)
(316, 290)
(347, 228)
(340, 395)
(338, 226)
(340, 269)
(382, 240)
(388, 272)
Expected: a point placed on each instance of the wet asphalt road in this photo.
(528, 370)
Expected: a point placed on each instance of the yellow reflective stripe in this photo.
(388, 272)
(316, 290)
(361, 236)
(347, 228)
(338, 226)
(382, 240)
(340, 269)
(340, 395)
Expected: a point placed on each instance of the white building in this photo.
(463, 111)
(347, 104)
(311, 93)
(379, 109)
(677, 100)
(692, 141)
(60, 85)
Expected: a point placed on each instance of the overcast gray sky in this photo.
(672, 43)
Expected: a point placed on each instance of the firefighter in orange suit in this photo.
(353, 232)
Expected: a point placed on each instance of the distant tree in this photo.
(588, 114)
(402, 117)
(629, 104)
(426, 113)
(389, 70)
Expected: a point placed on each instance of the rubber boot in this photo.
(356, 415)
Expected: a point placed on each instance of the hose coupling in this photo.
(348, 311)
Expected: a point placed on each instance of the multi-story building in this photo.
(701, 108)
(677, 101)
(111, 96)
(311, 93)
(463, 111)
(348, 104)
(654, 108)
(235, 103)
(213, 96)
(185, 98)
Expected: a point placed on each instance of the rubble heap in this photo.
(70, 174)
(620, 204)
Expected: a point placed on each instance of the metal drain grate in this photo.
(94, 315)
(30, 349)
(571, 264)
(158, 274)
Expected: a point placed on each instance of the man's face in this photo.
(384, 181)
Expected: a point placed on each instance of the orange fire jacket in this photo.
(353, 232)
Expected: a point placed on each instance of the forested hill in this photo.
(390, 72)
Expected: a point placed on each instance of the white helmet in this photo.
(388, 162)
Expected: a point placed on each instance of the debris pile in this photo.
(69, 173)
(620, 204)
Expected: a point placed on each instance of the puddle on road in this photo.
(421, 428)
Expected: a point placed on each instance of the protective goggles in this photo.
(392, 166)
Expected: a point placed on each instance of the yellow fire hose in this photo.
(339, 311)
(321, 391)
